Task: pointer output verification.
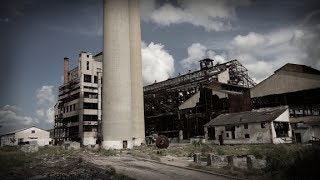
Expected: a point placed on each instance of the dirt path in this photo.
(141, 169)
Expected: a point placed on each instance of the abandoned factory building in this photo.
(26, 135)
(78, 111)
(265, 125)
(220, 97)
(298, 87)
(181, 106)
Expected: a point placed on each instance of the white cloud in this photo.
(212, 15)
(196, 52)
(45, 102)
(262, 54)
(9, 117)
(45, 95)
(220, 58)
(157, 63)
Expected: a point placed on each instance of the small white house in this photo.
(266, 125)
(22, 136)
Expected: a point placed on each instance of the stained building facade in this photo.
(78, 111)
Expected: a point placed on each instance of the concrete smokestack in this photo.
(116, 89)
(65, 70)
(136, 74)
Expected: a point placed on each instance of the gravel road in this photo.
(141, 169)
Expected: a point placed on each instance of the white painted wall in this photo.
(257, 135)
(316, 131)
(306, 134)
(284, 117)
(224, 77)
(42, 137)
(89, 138)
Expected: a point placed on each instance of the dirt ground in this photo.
(141, 169)
(54, 163)
(65, 165)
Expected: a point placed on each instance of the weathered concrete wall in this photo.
(284, 117)
(34, 147)
(242, 162)
(257, 135)
(40, 136)
(306, 134)
(191, 102)
(116, 89)
(138, 131)
(89, 138)
(284, 82)
(217, 161)
(71, 145)
(224, 77)
(8, 140)
(316, 131)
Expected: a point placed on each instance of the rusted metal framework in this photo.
(162, 99)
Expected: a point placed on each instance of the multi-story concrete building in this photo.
(78, 111)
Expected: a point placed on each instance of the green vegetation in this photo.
(11, 158)
(48, 161)
(283, 161)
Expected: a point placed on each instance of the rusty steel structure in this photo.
(162, 99)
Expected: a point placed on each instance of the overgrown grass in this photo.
(12, 157)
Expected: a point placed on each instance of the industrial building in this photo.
(265, 125)
(298, 87)
(78, 111)
(26, 135)
(180, 106)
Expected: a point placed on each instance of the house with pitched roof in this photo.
(25, 136)
(265, 125)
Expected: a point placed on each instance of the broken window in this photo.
(90, 117)
(232, 129)
(90, 105)
(95, 79)
(247, 136)
(33, 131)
(245, 126)
(87, 65)
(90, 95)
(87, 78)
(281, 129)
(263, 125)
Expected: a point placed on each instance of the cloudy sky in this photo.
(36, 35)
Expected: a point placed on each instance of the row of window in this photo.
(245, 126)
(90, 95)
(69, 108)
(88, 78)
(72, 107)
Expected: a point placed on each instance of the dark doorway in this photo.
(211, 133)
(298, 137)
(125, 144)
(221, 139)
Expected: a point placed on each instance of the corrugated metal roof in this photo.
(254, 116)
